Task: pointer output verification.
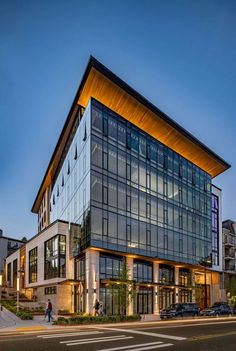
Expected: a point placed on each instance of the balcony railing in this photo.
(230, 267)
(229, 240)
(229, 254)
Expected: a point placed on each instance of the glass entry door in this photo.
(166, 297)
(79, 296)
(185, 295)
(145, 301)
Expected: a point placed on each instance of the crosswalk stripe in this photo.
(101, 338)
(164, 336)
(68, 334)
(132, 346)
(152, 347)
(82, 342)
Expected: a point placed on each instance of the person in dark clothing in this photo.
(96, 307)
(49, 310)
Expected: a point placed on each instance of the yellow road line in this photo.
(36, 327)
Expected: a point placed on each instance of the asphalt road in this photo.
(212, 335)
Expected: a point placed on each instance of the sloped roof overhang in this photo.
(103, 85)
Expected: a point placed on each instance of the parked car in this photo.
(234, 309)
(218, 309)
(185, 309)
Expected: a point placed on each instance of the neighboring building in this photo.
(43, 260)
(127, 184)
(7, 246)
(229, 250)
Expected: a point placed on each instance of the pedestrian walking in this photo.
(96, 307)
(49, 310)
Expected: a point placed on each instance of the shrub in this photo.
(61, 320)
(25, 315)
(78, 319)
(63, 312)
(10, 305)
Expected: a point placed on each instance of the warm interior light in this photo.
(0, 279)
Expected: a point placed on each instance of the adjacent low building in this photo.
(229, 250)
(125, 184)
(7, 246)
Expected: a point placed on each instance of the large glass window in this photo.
(96, 187)
(122, 134)
(185, 277)
(97, 119)
(166, 274)
(111, 305)
(55, 257)
(110, 266)
(97, 152)
(112, 159)
(80, 269)
(15, 266)
(9, 274)
(112, 128)
(145, 184)
(143, 272)
(33, 265)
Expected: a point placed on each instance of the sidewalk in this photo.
(10, 322)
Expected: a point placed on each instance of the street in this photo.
(212, 334)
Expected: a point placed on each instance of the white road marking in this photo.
(132, 346)
(185, 325)
(152, 347)
(97, 340)
(163, 336)
(64, 335)
(101, 338)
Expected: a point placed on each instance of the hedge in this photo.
(25, 315)
(11, 306)
(96, 320)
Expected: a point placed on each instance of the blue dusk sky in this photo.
(181, 55)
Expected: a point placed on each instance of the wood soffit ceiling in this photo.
(111, 95)
(100, 83)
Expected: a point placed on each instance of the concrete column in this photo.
(156, 309)
(92, 279)
(176, 283)
(193, 285)
(130, 267)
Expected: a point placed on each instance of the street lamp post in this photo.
(17, 293)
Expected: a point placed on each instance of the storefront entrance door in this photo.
(145, 301)
(166, 297)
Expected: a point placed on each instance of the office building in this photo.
(128, 185)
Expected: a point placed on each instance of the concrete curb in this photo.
(27, 328)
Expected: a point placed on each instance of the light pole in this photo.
(17, 293)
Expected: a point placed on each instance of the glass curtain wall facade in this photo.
(70, 194)
(145, 198)
(129, 193)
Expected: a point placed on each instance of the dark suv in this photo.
(185, 309)
(218, 309)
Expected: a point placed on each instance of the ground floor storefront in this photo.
(128, 285)
(155, 285)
